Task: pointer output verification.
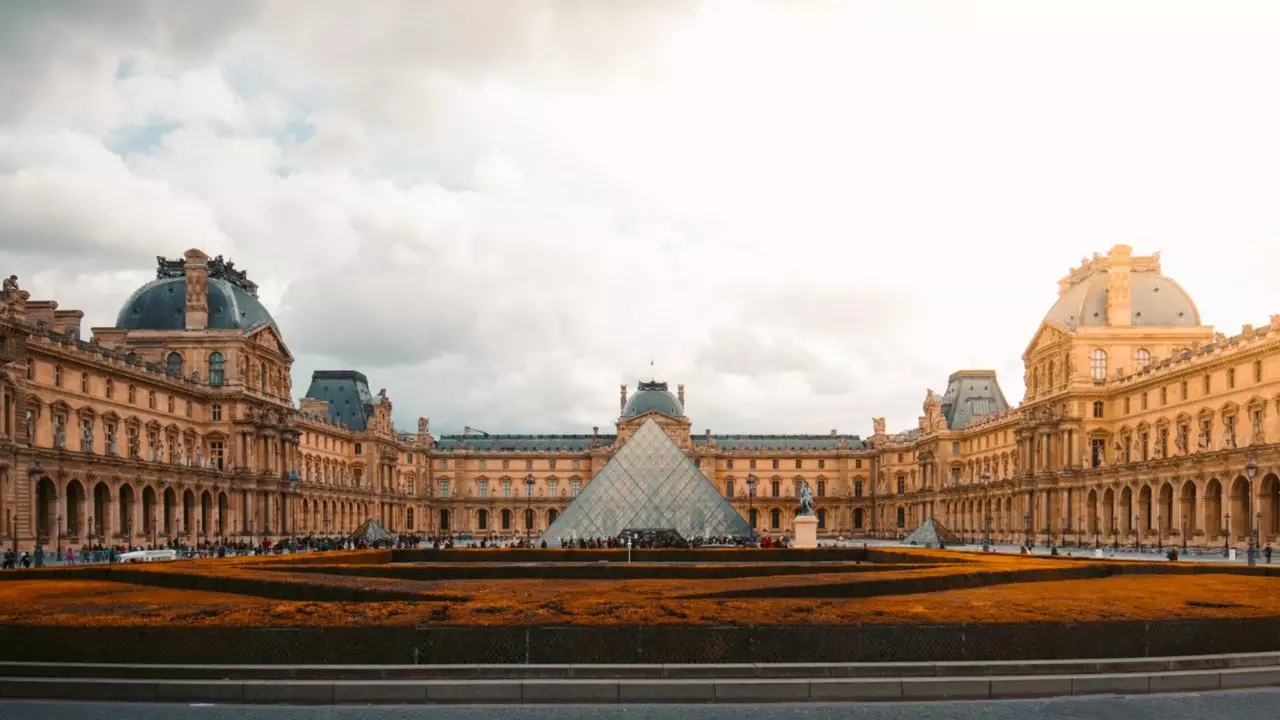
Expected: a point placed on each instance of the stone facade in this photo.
(1138, 424)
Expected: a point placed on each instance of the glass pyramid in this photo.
(648, 484)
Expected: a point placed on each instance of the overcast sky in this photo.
(806, 212)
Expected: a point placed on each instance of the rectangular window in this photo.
(551, 487)
(1164, 442)
(410, 458)
(151, 399)
(822, 488)
(728, 488)
(482, 488)
(1144, 400)
(506, 488)
(1183, 387)
(1207, 383)
(576, 464)
(551, 463)
(955, 448)
(1098, 448)
(1206, 434)
(1098, 408)
(822, 464)
(1257, 426)
(359, 449)
(1184, 437)
(482, 463)
(728, 464)
(857, 488)
(1257, 371)
(1128, 450)
(575, 485)
(799, 465)
(188, 408)
(955, 474)
(752, 464)
(776, 488)
(444, 463)
(215, 454)
(1126, 406)
(857, 463)
(1144, 439)
(1164, 396)
(902, 485)
(775, 464)
(1231, 378)
(528, 464)
(506, 464)
(444, 488)
(217, 412)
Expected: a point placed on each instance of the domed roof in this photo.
(652, 396)
(1154, 301)
(162, 305)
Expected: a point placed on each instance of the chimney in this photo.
(680, 394)
(197, 271)
(1119, 270)
(622, 398)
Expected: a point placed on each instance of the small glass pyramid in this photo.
(648, 484)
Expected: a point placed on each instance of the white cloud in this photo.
(806, 213)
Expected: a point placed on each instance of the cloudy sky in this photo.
(806, 212)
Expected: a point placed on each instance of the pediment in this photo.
(1049, 334)
(266, 338)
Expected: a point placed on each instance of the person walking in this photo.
(1267, 552)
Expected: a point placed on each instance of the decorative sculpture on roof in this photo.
(169, 268)
(878, 425)
(424, 425)
(11, 287)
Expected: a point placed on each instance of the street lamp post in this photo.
(1137, 534)
(986, 510)
(751, 502)
(1097, 532)
(528, 518)
(57, 548)
(1115, 529)
(1253, 539)
(1251, 469)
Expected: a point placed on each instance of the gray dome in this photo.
(1154, 301)
(652, 396)
(162, 305)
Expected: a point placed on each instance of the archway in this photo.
(1214, 522)
(224, 506)
(149, 511)
(188, 513)
(1109, 512)
(1146, 513)
(74, 509)
(1269, 506)
(46, 509)
(775, 519)
(482, 520)
(1091, 514)
(1241, 509)
(127, 506)
(506, 519)
(902, 517)
(101, 506)
(1187, 505)
(1125, 513)
(822, 519)
(857, 519)
(205, 523)
(170, 502)
(551, 516)
(444, 520)
(1164, 509)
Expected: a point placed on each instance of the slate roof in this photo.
(932, 533)
(347, 392)
(782, 442)
(162, 305)
(971, 394)
(533, 443)
(653, 396)
(1154, 300)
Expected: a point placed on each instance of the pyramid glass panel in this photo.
(648, 484)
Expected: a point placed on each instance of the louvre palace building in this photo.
(1139, 424)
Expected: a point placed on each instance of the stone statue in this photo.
(424, 423)
(86, 438)
(134, 446)
(199, 457)
(11, 287)
(1257, 428)
(878, 425)
(181, 453)
(29, 426)
(59, 435)
(806, 500)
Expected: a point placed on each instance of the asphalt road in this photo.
(1237, 705)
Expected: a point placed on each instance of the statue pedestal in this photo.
(806, 532)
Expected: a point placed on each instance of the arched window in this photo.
(1098, 364)
(216, 368)
(84, 382)
(31, 369)
(482, 520)
(728, 488)
(1141, 358)
(775, 518)
(822, 519)
(173, 364)
(506, 519)
(857, 488)
(551, 517)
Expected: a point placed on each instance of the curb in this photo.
(551, 692)
(652, 672)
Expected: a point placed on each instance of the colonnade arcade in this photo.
(1209, 510)
(69, 508)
